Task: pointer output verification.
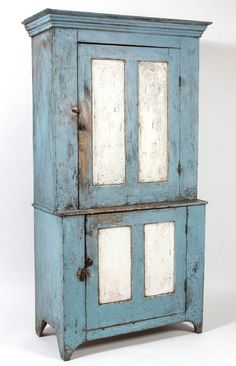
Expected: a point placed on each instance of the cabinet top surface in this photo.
(49, 18)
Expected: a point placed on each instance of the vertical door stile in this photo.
(137, 261)
(84, 127)
(91, 285)
(174, 105)
(131, 130)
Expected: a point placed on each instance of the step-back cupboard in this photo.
(119, 230)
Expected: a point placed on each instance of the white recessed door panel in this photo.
(108, 122)
(114, 249)
(159, 258)
(152, 118)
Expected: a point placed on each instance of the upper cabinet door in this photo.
(128, 124)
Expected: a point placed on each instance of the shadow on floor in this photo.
(127, 340)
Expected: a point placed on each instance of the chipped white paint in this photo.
(114, 246)
(159, 258)
(108, 121)
(152, 115)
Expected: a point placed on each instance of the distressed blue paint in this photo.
(128, 39)
(49, 18)
(65, 121)
(43, 128)
(66, 232)
(195, 265)
(60, 297)
(55, 126)
(137, 268)
(48, 270)
(134, 326)
(138, 307)
(189, 118)
(73, 290)
(131, 191)
(56, 152)
(131, 128)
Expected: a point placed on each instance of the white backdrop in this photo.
(217, 181)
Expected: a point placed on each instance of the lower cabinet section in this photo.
(100, 275)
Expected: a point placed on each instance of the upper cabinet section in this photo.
(115, 109)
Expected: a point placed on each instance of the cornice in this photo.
(50, 18)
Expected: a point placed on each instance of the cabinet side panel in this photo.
(73, 288)
(65, 98)
(44, 187)
(189, 117)
(195, 264)
(48, 269)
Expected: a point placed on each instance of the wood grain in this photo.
(159, 258)
(152, 121)
(108, 121)
(114, 264)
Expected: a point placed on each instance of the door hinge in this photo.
(180, 81)
(179, 168)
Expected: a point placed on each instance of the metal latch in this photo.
(81, 126)
(75, 110)
(83, 273)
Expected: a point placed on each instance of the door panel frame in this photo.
(131, 191)
(138, 307)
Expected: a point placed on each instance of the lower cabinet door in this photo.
(139, 266)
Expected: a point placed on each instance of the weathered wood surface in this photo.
(114, 258)
(140, 325)
(159, 241)
(189, 117)
(195, 266)
(139, 306)
(108, 125)
(164, 136)
(55, 126)
(139, 207)
(152, 121)
(73, 211)
(112, 22)
(74, 306)
(128, 39)
(64, 120)
(48, 270)
(56, 154)
(43, 128)
(59, 295)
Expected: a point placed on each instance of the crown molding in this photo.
(50, 18)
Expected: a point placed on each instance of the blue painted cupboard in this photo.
(119, 230)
